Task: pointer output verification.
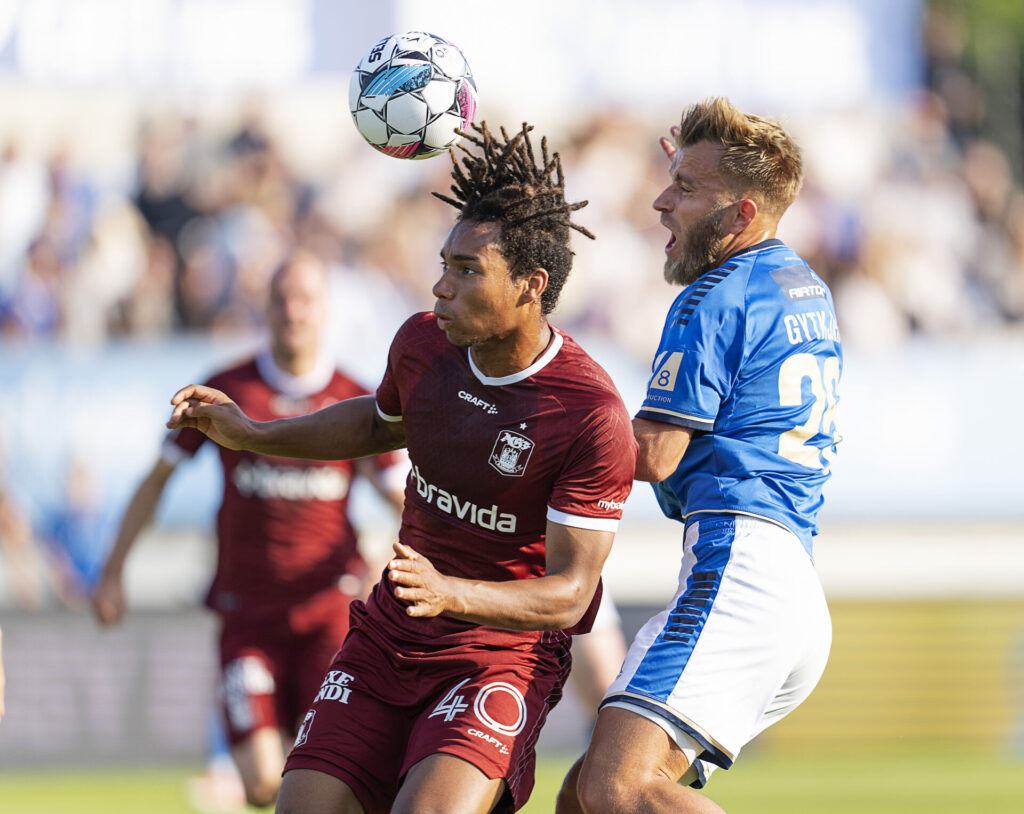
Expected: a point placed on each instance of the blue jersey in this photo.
(750, 359)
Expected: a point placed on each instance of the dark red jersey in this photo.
(283, 529)
(493, 460)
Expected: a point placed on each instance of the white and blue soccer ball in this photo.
(410, 93)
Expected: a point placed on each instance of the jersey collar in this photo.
(295, 387)
(497, 381)
(764, 244)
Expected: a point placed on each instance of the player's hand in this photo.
(417, 582)
(669, 144)
(108, 600)
(212, 413)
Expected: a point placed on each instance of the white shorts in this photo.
(742, 643)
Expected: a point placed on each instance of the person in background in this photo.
(288, 562)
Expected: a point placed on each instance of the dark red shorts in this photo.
(379, 712)
(271, 670)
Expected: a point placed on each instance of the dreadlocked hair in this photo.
(505, 185)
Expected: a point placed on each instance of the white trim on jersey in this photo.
(578, 521)
(296, 387)
(542, 360)
(393, 419)
(695, 418)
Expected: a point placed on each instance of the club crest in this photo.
(511, 453)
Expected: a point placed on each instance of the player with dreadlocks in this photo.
(522, 456)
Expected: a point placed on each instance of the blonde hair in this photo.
(758, 155)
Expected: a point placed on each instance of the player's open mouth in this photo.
(671, 243)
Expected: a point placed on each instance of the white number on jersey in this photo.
(793, 445)
(667, 370)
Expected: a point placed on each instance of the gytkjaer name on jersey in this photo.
(812, 325)
(486, 518)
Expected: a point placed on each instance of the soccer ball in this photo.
(409, 94)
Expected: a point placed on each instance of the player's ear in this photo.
(743, 214)
(536, 282)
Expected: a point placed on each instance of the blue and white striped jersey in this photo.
(750, 358)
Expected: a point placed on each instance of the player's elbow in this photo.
(570, 608)
(652, 468)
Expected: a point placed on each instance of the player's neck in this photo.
(506, 356)
(297, 364)
(758, 232)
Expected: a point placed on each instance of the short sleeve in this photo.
(694, 368)
(591, 490)
(389, 401)
(181, 445)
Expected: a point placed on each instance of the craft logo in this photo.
(511, 453)
(486, 406)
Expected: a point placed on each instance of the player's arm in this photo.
(661, 447)
(349, 429)
(108, 595)
(555, 601)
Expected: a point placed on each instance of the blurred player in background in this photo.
(288, 563)
(737, 433)
(522, 455)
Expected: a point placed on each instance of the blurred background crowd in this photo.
(914, 213)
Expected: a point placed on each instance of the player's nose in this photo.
(443, 288)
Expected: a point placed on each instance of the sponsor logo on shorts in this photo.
(307, 724)
(511, 453)
(486, 406)
(335, 687)
(452, 704)
(243, 678)
(501, 747)
(480, 708)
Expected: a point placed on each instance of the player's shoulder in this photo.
(342, 385)
(780, 273)
(240, 372)
(578, 373)
(419, 330)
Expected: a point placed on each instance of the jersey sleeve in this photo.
(696, 363)
(388, 395)
(181, 445)
(592, 489)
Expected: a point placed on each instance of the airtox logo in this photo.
(511, 453)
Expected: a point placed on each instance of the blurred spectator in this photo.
(26, 570)
(77, 531)
(910, 214)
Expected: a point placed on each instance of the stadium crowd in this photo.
(914, 219)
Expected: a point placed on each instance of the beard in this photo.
(701, 250)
